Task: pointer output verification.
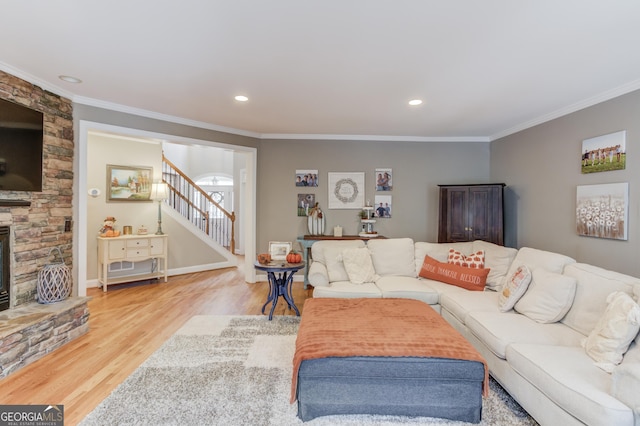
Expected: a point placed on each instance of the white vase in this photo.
(315, 225)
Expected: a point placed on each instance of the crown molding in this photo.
(159, 116)
(36, 81)
(374, 138)
(602, 97)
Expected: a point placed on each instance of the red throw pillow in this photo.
(468, 278)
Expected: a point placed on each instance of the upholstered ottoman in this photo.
(384, 356)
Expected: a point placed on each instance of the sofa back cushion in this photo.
(594, 284)
(393, 256)
(534, 258)
(438, 251)
(498, 259)
(329, 253)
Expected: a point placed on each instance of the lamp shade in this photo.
(159, 191)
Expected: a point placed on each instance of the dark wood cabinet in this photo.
(471, 212)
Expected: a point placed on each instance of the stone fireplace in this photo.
(32, 224)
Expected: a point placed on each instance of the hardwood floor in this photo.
(126, 325)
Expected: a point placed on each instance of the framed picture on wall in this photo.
(602, 211)
(346, 190)
(604, 153)
(129, 183)
(384, 180)
(306, 178)
(305, 203)
(382, 206)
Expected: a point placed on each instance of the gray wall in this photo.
(417, 170)
(541, 167)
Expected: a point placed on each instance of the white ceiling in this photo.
(331, 67)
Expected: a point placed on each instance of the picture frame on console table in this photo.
(129, 183)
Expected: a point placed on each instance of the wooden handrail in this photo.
(196, 187)
(186, 206)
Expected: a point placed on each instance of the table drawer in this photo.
(142, 242)
(137, 252)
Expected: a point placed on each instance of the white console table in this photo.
(131, 248)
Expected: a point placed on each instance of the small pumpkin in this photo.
(294, 257)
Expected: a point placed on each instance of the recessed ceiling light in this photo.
(241, 98)
(415, 102)
(69, 79)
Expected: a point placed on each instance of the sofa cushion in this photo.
(439, 251)
(614, 332)
(318, 248)
(567, 376)
(498, 330)
(335, 264)
(514, 288)
(393, 256)
(357, 262)
(348, 290)
(594, 284)
(460, 303)
(548, 297)
(535, 258)
(498, 259)
(472, 260)
(407, 288)
(468, 278)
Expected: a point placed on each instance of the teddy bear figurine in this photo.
(107, 228)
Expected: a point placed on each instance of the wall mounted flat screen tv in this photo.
(21, 139)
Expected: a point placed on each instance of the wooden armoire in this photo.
(471, 212)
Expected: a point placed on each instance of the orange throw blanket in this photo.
(380, 328)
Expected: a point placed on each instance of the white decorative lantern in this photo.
(54, 281)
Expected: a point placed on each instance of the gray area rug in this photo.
(236, 370)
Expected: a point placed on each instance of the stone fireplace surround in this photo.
(29, 330)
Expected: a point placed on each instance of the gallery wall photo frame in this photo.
(382, 207)
(384, 179)
(307, 178)
(305, 203)
(346, 190)
(604, 153)
(129, 183)
(602, 210)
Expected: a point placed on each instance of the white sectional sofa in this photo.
(536, 350)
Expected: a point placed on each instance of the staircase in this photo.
(198, 207)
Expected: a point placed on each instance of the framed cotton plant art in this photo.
(602, 211)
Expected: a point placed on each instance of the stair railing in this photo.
(198, 207)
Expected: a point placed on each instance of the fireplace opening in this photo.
(5, 265)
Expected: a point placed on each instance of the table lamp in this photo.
(159, 192)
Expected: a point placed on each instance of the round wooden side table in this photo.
(280, 274)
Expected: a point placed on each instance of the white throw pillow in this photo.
(335, 265)
(359, 266)
(514, 288)
(614, 332)
(549, 296)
